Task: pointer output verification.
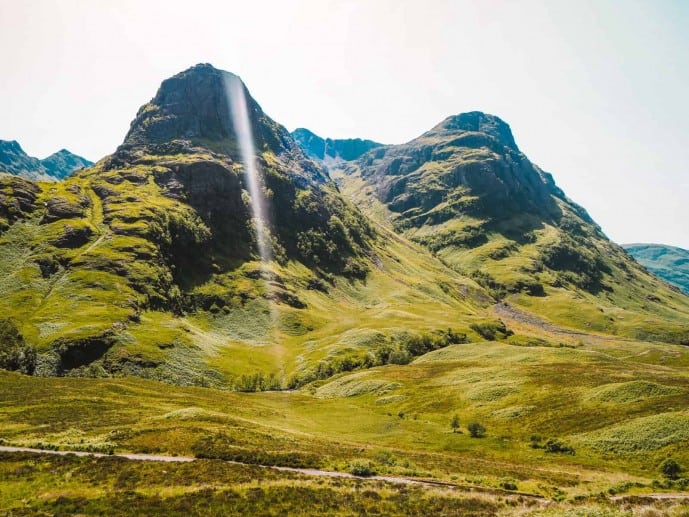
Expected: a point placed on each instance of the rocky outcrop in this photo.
(193, 109)
(469, 165)
(17, 199)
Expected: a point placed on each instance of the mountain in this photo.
(435, 310)
(149, 262)
(63, 163)
(326, 148)
(57, 166)
(467, 193)
(668, 262)
(209, 249)
(14, 160)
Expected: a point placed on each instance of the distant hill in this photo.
(667, 262)
(57, 166)
(326, 148)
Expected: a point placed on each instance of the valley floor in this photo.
(570, 427)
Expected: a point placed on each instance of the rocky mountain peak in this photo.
(10, 145)
(57, 166)
(195, 106)
(63, 163)
(479, 122)
(191, 104)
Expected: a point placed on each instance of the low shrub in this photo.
(362, 469)
(554, 446)
(476, 430)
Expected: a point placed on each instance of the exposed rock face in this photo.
(57, 166)
(328, 149)
(469, 165)
(479, 122)
(186, 133)
(193, 109)
(17, 199)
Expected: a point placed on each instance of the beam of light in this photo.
(242, 128)
(239, 107)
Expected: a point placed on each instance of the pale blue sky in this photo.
(595, 92)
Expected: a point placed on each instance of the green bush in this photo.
(454, 423)
(476, 430)
(15, 355)
(509, 485)
(491, 330)
(362, 469)
(554, 446)
(670, 468)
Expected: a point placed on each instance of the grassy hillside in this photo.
(667, 262)
(465, 192)
(437, 310)
(112, 288)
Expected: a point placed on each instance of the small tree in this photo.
(455, 423)
(476, 430)
(670, 468)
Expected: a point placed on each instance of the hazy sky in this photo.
(595, 91)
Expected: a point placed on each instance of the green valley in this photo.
(435, 311)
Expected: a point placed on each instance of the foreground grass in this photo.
(621, 406)
(35, 484)
(112, 486)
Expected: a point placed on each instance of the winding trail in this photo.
(308, 472)
(508, 312)
(677, 496)
(135, 457)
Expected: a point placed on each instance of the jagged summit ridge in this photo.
(479, 122)
(195, 106)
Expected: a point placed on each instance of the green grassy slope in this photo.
(375, 324)
(464, 191)
(111, 289)
(667, 262)
(146, 263)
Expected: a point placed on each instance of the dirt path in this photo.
(656, 496)
(507, 312)
(135, 457)
(307, 472)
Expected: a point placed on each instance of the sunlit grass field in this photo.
(621, 407)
